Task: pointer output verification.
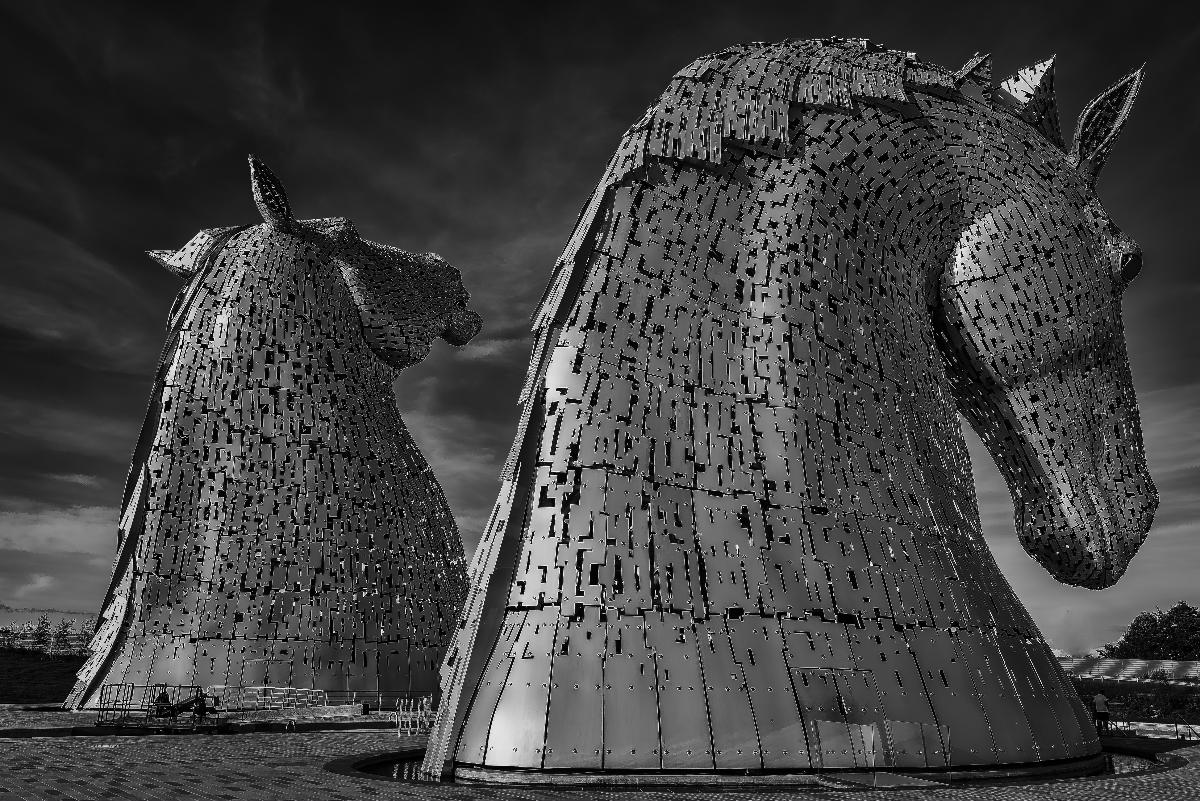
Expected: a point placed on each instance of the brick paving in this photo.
(19, 716)
(291, 767)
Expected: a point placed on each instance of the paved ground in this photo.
(291, 767)
(17, 716)
(18, 720)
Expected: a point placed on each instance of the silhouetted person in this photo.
(162, 705)
(1100, 709)
(200, 708)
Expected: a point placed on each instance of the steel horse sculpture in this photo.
(738, 528)
(280, 525)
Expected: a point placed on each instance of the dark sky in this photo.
(476, 132)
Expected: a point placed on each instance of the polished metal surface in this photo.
(280, 525)
(738, 528)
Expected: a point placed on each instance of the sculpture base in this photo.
(1058, 769)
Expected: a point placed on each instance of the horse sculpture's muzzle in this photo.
(1085, 525)
(462, 325)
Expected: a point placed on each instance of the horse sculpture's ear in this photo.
(1029, 94)
(170, 259)
(186, 261)
(1101, 123)
(270, 198)
(976, 72)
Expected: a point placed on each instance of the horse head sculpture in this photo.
(405, 300)
(738, 528)
(280, 525)
(1032, 319)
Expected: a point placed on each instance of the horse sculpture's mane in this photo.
(745, 94)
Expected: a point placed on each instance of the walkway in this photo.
(290, 767)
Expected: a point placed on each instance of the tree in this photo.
(1174, 634)
(8, 637)
(41, 634)
(62, 636)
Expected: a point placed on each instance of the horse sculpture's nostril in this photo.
(1131, 265)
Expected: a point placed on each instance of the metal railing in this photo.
(1185, 730)
(1165, 726)
(174, 705)
(156, 706)
(414, 715)
(1137, 670)
(256, 698)
(1175, 728)
(378, 700)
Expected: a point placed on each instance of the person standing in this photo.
(1100, 711)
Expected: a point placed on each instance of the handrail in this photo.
(1193, 729)
(414, 715)
(154, 705)
(266, 697)
(1184, 730)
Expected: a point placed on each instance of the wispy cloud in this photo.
(39, 187)
(74, 478)
(88, 529)
(56, 557)
(79, 431)
(53, 580)
(489, 348)
(38, 583)
(50, 289)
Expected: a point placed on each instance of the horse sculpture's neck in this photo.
(783, 286)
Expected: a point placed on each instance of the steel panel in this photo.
(735, 743)
(684, 730)
(518, 726)
(575, 720)
(631, 712)
(758, 647)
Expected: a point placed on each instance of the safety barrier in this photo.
(1094, 667)
(414, 715)
(156, 706)
(257, 698)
